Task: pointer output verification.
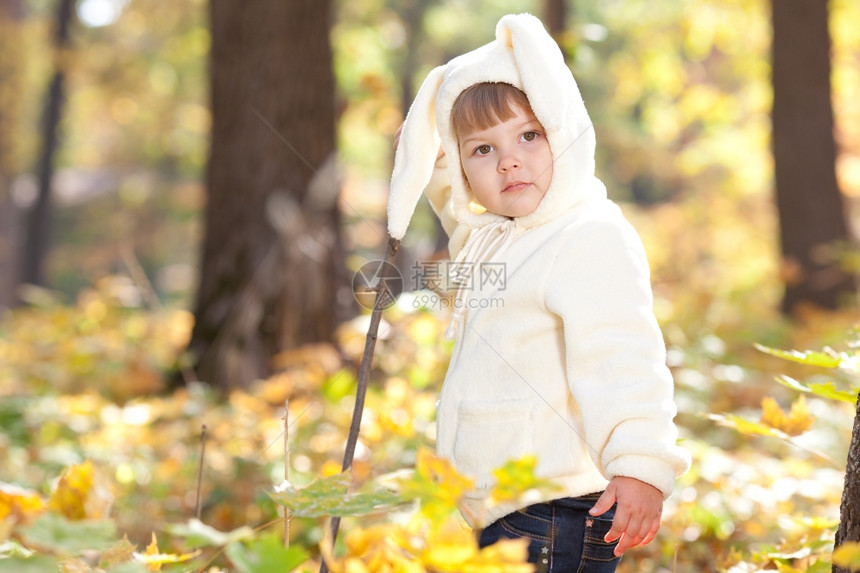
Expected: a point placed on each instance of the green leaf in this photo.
(789, 556)
(37, 564)
(13, 422)
(264, 555)
(746, 426)
(328, 497)
(198, 534)
(820, 566)
(790, 382)
(717, 523)
(11, 548)
(847, 555)
(828, 390)
(516, 477)
(810, 357)
(56, 533)
(341, 384)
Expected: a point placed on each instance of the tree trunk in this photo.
(270, 263)
(555, 17)
(11, 89)
(38, 222)
(412, 16)
(811, 211)
(849, 510)
(9, 216)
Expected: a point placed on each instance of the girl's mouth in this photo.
(515, 186)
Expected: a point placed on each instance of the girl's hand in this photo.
(637, 517)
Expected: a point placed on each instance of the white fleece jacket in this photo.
(564, 358)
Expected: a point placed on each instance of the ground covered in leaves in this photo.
(101, 462)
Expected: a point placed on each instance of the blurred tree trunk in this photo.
(38, 220)
(555, 14)
(411, 13)
(271, 255)
(811, 212)
(412, 16)
(849, 510)
(11, 91)
(811, 209)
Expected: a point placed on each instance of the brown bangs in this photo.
(484, 105)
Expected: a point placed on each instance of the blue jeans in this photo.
(563, 538)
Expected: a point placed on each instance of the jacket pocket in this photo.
(489, 433)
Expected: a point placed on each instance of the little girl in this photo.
(564, 359)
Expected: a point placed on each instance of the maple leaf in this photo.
(380, 548)
(516, 478)
(81, 493)
(154, 559)
(437, 484)
(797, 421)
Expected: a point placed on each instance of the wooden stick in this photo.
(286, 469)
(379, 304)
(200, 469)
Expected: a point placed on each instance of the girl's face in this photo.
(508, 165)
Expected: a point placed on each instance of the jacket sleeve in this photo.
(599, 285)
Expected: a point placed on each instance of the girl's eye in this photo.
(483, 149)
(530, 135)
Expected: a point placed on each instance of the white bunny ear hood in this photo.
(525, 56)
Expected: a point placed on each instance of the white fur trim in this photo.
(415, 155)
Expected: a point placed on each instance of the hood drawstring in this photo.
(484, 245)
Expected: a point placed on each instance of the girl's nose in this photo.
(509, 161)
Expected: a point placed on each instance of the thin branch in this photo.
(286, 469)
(199, 508)
(382, 299)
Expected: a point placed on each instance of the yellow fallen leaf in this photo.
(797, 421)
(154, 559)
(437, 484)
(19, 504)
(454, 549)
(848, 555)
(505, 556)
(72, 490)
(361, 541)
(121, 552)
(330, 468)
(355, 566)
(151, 550)
(448, 547)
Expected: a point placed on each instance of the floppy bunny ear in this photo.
(415, 156)
(545, 76)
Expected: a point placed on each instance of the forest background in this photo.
(144, 230)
